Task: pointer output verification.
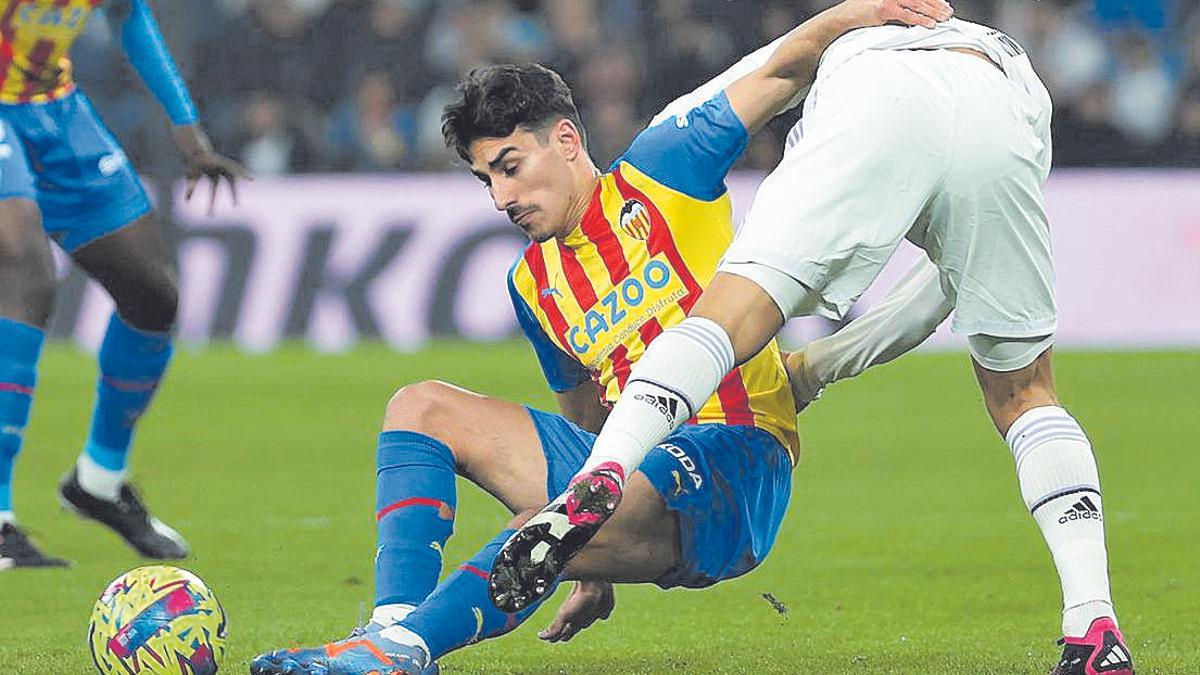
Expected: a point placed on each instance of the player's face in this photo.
(529, 177)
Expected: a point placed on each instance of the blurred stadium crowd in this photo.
(291, 86)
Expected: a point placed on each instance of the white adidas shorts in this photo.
(937, 146)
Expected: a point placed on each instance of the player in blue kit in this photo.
(63, 174)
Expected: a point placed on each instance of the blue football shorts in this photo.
(728, 485)
(61, 155)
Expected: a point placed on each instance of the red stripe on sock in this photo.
(130, 386)
(13, 387)
(412, 501)
(474, 570)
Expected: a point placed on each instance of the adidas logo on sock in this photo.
(669, 407)
(1084, 509)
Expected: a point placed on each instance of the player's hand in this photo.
(925, 13)
(202, 161)
(590, 601)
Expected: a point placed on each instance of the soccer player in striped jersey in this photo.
(615, 259)
(62, 174)
(940, 136)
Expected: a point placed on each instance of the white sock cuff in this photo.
(1053, 457)
(97, 480)
(712, 337)
(386, 615)
(1039, 425)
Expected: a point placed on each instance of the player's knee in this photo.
(22, 241)
(152, 304)
(1009, 393)
(419, 407)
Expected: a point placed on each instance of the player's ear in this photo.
(568, 139)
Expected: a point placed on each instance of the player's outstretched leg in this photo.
(26, 294)
(133, 265)
(457, 613)
(414, 514)
(20, 345)
(694, 357)
(1060, 484)
(131, 364)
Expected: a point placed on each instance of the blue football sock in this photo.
(414, 510)
(20, 345)
(459, 612)
(132, 363)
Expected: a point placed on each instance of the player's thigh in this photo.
(870, 153)
(87, 187)
(714, 499)
(639, 544)
(27, 278)
(135, 265)
(494, 442)
(26, 266)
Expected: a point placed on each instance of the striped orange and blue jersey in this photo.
(650, 241)
(35, 37)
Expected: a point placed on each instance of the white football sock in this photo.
(386, 615)
(7, 517)
(679, 372)
(1061, 487)
(97, 480)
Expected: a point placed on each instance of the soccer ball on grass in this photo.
(157, 620)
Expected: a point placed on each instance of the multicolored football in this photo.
(157, 620)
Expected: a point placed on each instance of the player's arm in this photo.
(906, 316)
(693, 152)
(769, 89)
(147, 51)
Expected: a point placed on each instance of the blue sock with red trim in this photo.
(132, 363)
(459, 612)
(20, 346)
(414, 510)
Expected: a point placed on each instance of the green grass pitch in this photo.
(906, 549)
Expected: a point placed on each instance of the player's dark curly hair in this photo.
(493, 101)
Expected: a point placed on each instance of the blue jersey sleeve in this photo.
(691, 153)
(143, 43)
(562, 372)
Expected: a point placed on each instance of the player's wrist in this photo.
(848, 16)
(191, 140)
